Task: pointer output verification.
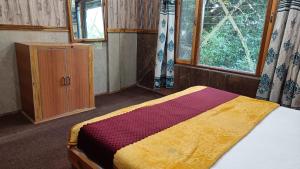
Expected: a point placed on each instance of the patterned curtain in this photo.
(164, 67)
(280, 80)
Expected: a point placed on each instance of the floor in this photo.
(43, 146)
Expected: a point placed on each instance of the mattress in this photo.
(272, 144)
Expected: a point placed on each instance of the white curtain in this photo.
(280, 80)
(164, 67)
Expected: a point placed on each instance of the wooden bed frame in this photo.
(79, 160)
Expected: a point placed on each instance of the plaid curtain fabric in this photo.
(164, 67)
(280, 80)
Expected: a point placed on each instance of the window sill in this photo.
(220, 70)
(87, 40)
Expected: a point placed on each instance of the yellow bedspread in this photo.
(196, 143)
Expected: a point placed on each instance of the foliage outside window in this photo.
(230, 33)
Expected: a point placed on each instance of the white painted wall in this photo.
(128, 59)
(114, 81)
(100, 68)
(122, 51)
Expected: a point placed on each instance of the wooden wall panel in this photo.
(187, 76)
(48, 13)
(112, 10)
(127, 16)
(146, 58)
(148, 14)
(133, 14)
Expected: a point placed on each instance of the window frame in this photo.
(70, 24)
(265, 41)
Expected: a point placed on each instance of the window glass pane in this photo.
(94, 23)
(186, 29)
(87, 19)
(232, 33)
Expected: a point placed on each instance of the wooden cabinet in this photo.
(55, 79)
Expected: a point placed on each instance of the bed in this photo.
(199, 127)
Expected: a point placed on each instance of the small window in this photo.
(87, 20)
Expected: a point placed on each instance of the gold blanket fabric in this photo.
(195, 143)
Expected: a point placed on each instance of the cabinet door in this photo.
(78, 71)
(52, 69)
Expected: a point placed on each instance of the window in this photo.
(186, 29)
(87, 18)
(230, 35)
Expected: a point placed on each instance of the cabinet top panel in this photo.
(51, 44)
